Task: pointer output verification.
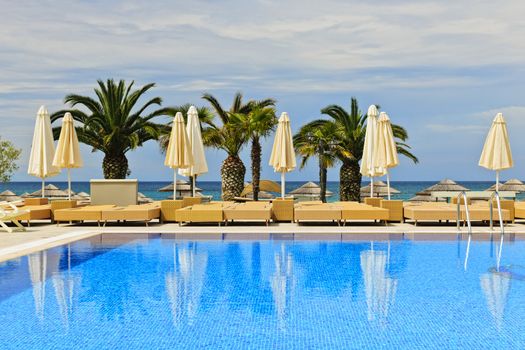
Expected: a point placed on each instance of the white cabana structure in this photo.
(42, 149)
(496, 154)
(282, 158)
(387, 148)
(369, 161)
(67, 155)
(199, 166)
(178, 154)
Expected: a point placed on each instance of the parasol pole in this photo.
(497, 180)
(175, 184)
(388, 183)
(69, 182)
(282, 185)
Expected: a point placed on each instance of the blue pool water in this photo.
(117, 292)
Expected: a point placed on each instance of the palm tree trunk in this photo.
(256, 166)
(115, 166)
(322, 181)
(350, 181)
(232, 175)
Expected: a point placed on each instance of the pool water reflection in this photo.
(129, 291)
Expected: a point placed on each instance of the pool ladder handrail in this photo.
(495, 194)
(463, 195)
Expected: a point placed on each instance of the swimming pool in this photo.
(129, 292)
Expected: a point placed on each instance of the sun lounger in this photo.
(283, 209)
(317, 212)
(249, 211)
(373, 201)
(448, 212)
(35, 209)
(62, 204)
(359, 212)
(169, 207)
(87, 213)
(519, 210)
(145, 212)
(210, 212)
(9, 213)
(395, 209)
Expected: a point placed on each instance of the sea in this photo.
(150, 189)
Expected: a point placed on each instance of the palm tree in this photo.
(351, 129)
(258, 123)
(316, 139)
(112, 124)
(229, 138)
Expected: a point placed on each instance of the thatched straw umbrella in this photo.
(309, 190)
(380, 189)
(262, 195)
(264, 186)
(82, 197)
(50, 191)
(183, 189)
(513, 185)
(445, 185)
(9, 196)
(142, 199)
(425, 198)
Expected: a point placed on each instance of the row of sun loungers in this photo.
(190, 210)
(479, 211)
(104, 213)
(340, 212)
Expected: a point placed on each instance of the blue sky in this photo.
(441, 69)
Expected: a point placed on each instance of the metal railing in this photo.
(495, 194)
(463, 195)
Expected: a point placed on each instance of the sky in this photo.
(441, 69)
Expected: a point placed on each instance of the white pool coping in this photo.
(240, 232)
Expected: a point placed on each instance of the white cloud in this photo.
(480, 122)
(378, 49)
